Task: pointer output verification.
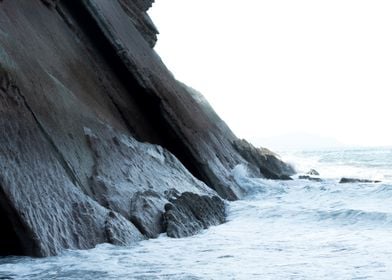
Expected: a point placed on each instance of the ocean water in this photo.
(283, 230)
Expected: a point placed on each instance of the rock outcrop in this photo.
(267, 163)
(190, 213)
(96, 134)
(310, 178)
(313, 172)
(345, 180)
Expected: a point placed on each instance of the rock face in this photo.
(190, 213)
(97, 135)
(267, 163)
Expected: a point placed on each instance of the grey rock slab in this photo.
(190, 213)
(47, 211)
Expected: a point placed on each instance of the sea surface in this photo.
(283, 230)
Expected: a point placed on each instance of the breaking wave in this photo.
(295, 229)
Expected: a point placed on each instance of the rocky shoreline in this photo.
(99, 141)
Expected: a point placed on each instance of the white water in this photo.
(283, 230)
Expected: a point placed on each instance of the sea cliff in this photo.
(99, 142)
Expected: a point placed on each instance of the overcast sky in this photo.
(280, 67)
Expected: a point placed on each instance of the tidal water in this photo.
(283, 230)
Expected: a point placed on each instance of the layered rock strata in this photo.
(97, 135)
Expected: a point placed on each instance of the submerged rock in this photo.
(355, 180)
(310, 178)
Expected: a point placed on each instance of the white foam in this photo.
(286, 230)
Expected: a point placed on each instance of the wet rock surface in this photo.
(119, 231)
(190, 213)
(356, 180)
(310, 178)
(97, 135)
(147, 213)
(268, 163)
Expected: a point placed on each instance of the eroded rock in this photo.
(120, 231)
(72, 105)
(268, 163)
(147, 213)
(190, 213)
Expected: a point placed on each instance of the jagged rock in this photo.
(177, 121)
(310, 178)
(126, 174)
(313, 172)
(147, 213)
(119, 231)
(354, 180)
(171, 194)
(190, 213)
(137, 14)
(268, 163)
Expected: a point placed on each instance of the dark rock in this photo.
(354, 180)
(171, 194)
(268, 163)
(313, 172)
(191, 213)
(50, 3)
(135, 179)
(137, 11)
(78, 108)
(119, 231)
(187, 127)
(147, 213)
(310, 178)
(39, 195)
